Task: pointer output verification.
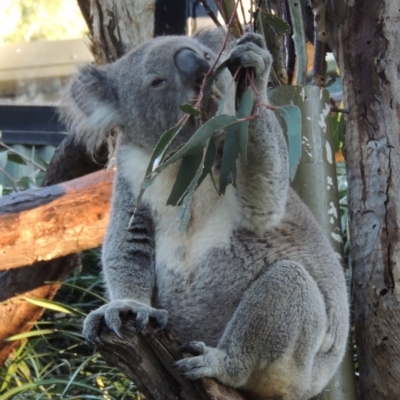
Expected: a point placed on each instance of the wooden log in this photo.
(70, 161)
(51, 222)
(147, 360)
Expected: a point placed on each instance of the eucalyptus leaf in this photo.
(16, 158)
(228, 171)
(209, 160)
(185, 209)
(244, 110)
(199, 139)
(189, 109)
(3, 159)
(277, 23)
(186, 174)
(292, 116)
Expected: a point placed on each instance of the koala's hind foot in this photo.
(110, 314)
(285, 305)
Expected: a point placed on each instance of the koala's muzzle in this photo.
(192, 66)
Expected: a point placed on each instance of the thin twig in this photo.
(210, 12)
(10, 178)
(23, 157)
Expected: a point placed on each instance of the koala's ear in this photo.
(214, 39)
(90, 106)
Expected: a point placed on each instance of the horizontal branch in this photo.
(51, 222)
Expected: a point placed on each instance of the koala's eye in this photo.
(207, 56)
(157, 82)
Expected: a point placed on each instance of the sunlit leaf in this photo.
(50, 305)
(38, 332)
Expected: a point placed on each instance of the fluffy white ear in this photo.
(90, 106)
(214, 38)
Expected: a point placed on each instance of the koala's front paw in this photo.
(208, 361)
(250, 52)
(110, 314)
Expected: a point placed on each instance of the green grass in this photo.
(54, 361)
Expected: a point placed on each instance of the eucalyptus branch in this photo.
(299, 41)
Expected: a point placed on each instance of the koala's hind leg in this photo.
(269, 346)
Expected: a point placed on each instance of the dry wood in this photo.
(147, 360)
(51, 222)
(69, 161)
(365, 38)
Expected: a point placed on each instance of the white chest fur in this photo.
(213, 217)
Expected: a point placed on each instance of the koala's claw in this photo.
(207, 363)
(250, 52)
(110, 314)
(195, 348)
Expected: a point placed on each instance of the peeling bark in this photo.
(365, 37)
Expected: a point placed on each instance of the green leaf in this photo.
(228, 171)
(209, 160)
(185, 209)
(16, 158)
(186, 174)
(277, 23)
(189, 109)
(3, 159)
(199, 139)
(161, 148)
(50, 305)
(25, 182)
(244, 110)
(292, 116)
(38, 332)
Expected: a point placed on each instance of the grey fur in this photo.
(253, 285)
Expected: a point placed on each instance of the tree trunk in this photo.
(113, 33)
(365, 36)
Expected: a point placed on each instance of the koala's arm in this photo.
(262, 183)
(128, 267)
(128, 254)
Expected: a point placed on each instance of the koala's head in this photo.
(140, 94)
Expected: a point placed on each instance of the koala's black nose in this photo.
(192, 66)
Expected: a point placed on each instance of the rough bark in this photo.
(118, 26)
(147, 360)
(43, 224)
(365, 37)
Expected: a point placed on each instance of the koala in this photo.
(252, 286)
